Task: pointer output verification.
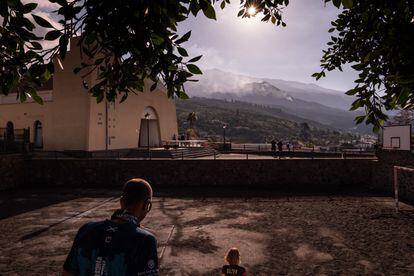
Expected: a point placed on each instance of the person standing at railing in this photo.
(273, 143)
(280, 146)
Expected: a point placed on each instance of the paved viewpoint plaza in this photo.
(276, 234)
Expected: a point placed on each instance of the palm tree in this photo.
(191, 119)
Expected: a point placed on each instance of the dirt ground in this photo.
(276, 234)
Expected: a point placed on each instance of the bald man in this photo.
(117, 246)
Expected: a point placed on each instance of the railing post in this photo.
(182, 155)
(396, 189)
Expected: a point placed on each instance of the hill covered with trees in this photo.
(248, 122)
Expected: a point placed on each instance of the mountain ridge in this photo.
(218, 84)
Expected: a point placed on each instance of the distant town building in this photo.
(70, 118)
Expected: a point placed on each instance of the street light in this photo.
(148, 117)
(224, 137)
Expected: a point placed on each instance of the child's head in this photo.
(233, 256)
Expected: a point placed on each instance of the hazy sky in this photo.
(248, 46)
(254, 48)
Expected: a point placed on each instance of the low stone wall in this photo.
(383, 176)
(291, 174)
(12, 171)
(284, 174)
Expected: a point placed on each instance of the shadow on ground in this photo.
(278, 233)
(20, 201)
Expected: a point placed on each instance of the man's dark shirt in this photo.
(109, 248)
(236, 270)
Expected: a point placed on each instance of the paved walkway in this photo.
(278, 235)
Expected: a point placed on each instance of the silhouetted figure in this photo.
(117, 246)
(280, 146)
(273, 143)
(288, 146)
(233, 268)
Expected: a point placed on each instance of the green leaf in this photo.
(63, 46)
(376, 128)
(359, 119)
(36, 45)
(29, 7)
(124, 97)
(47, 75)
(358, 66)
(182, 52)
(223, 5)
(266, 18)
(99, 61)
(22, 96)
(182, 95)
(241, 12)
(337, 3)
(347, 4)
(355, 105)
(52, 35)
(153, 86)
(37, 98)
(194, 69)
(195, 59)
(351, 92)
(172, 67)
(210, 12)
(184, 38)
(194, 7)
(156, 39)
(42, 22)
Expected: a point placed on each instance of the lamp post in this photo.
(224, 137)
(148, 117)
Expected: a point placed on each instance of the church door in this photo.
(149, 130)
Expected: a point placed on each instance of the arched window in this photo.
(10, 131)
(38, 134)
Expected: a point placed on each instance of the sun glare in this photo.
(252, 11)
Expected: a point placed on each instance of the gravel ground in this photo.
(277, 235)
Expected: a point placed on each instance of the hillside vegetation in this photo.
(253, 123)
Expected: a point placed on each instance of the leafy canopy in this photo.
(126, 42)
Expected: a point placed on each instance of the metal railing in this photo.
(16, 141)
(185, 143)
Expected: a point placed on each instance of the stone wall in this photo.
(12, 171)
(285, 174)
(291, 174)
(383, 176)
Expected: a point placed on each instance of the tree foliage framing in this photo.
(129, 41)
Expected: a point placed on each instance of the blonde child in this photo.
(233, 259)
